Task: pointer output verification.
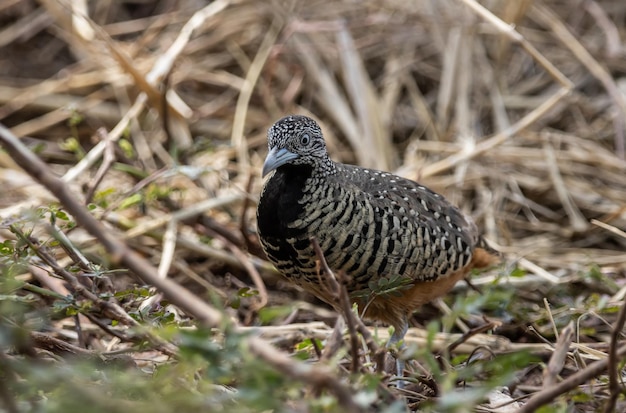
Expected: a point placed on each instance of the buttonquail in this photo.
(370, 225)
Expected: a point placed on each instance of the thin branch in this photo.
(111, 309)
(468, 334)
(341, 294)
(56, 346)
(250, 269)
(334, 340)
(318, 376)
(107, 161)
(547, 395)
(557, 360)
(243, 101)
(361, 328)
(614, 381)
(243, 220)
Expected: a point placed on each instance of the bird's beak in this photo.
(277, 157)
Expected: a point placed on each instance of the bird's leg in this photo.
(400, 330)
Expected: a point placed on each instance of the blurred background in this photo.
(515, 110)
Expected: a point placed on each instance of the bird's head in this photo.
(296, 140)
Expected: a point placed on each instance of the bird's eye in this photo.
(305, 139)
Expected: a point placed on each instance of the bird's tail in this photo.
(485, 255)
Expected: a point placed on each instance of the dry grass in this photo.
(515, 111)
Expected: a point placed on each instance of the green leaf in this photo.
(126, 147)
(246, 292)
(72, 145)
(71, 311)
(134, 199)
(61, 215)
(269, 314)
(6, 247)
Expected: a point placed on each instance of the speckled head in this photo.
(296, 140)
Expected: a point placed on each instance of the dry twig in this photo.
(547, 395)
(614, 360)
(340, 293)
(557, 360)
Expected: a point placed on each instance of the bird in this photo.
(372, 226)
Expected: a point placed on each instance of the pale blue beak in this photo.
(277, 157)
